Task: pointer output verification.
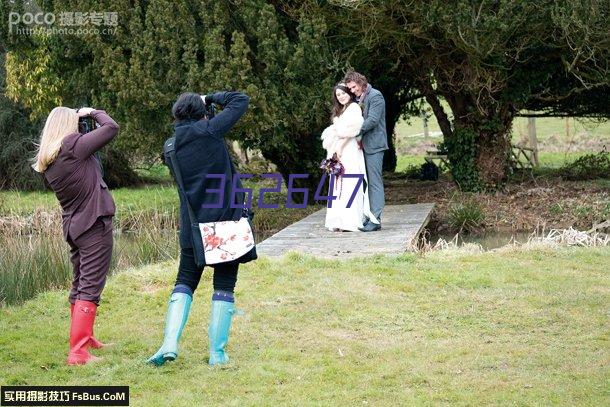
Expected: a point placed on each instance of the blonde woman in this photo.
(65, 158)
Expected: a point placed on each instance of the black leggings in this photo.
(225, 274)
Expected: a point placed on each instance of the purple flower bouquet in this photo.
(332, 166)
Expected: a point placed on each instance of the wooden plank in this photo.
(401, 226)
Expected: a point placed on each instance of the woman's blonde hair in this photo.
(61, 122)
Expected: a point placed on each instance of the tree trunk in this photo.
(490, 134)
(478, 145)
(439, 113)
(393, 108)
(389, 158)
(493, 151)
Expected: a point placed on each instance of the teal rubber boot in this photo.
(177, 313)
(218, 330)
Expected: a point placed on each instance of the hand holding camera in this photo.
(85, 121)
(84, 111)
(210, 109)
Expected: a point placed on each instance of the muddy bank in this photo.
(537, 203)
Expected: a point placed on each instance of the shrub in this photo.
(18, 134)
(465, 215)
(413, 171)
(589, 166)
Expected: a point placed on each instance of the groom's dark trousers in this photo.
(374, 165)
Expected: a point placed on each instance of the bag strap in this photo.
(169, 149)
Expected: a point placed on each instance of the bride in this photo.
(341, 138)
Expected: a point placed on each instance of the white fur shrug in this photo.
(346, 125)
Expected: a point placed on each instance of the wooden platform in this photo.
(400, 226)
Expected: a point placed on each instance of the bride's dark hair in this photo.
(338, 108)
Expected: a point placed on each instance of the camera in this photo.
(210, 111)
(86, 124)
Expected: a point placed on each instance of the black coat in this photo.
(200, 151)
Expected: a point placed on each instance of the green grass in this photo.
(33, 264)
(546, 159)
(157, 205)
(465, 214)
(556, 160)
(405, 161)
(546, 127)
(156, 173)
(151, 197)
(498, 328)
(148, 198)
(34, 256)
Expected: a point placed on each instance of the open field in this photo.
(547, 129)
(525, 327)
(547, 159)
(154, 203)
(558, 144)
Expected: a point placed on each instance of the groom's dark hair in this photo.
(353, 76)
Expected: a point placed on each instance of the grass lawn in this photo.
(126, 199)
(137, 205)
(556, 160)
(546, 127)
(404, 161)
(499, 328)
(546, 158)
(152, 197)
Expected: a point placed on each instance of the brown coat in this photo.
(75, 177)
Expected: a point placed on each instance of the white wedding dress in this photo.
(339, 215)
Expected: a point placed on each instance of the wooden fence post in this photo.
(424, 117)
(531, 129)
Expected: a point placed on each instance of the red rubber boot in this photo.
(93, 342)
(81, 332)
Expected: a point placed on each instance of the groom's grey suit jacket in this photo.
(373, 132)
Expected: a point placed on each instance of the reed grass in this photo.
(36, 263)
(31, 265)
(465, 214)
(34, 257)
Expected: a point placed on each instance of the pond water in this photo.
(488, 240)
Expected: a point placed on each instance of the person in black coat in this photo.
(201, 151)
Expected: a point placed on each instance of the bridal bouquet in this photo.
(332, 166)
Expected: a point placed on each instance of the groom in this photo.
(374, 141)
